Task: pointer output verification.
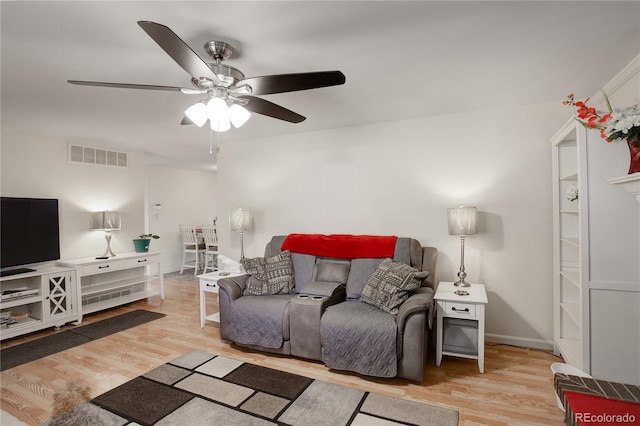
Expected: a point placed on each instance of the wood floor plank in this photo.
(516, 388)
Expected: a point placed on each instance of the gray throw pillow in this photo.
(390, 285)
(330, 270)
(269, 275)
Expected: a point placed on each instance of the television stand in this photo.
(107, 283)
(45, 297)
(9, 272)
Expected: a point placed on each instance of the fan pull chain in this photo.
(211, 141)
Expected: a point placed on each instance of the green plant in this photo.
(148, 236)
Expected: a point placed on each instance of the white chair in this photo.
(190, 244)
(210, 236)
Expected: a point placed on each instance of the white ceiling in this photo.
(401, 60)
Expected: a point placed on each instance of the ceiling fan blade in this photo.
(281, 83)
(260, 106)
(178, 50)
(128, 86)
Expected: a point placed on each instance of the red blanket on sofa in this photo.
(341, 246)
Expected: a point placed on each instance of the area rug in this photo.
(40, 348)
(200, 388)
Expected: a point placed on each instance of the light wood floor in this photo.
(516, 388)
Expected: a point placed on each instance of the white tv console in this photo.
(49, 298)
(124, 278)
(56, 295)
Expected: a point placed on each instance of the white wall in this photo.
(187, 196)
(36, 166)
(399, 178)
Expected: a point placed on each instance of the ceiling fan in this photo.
(230, 95)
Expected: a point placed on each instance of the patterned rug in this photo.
(58, 342)
(200, 388)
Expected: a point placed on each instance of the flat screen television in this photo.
(29, 233)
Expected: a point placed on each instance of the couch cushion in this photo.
(269, 275)
(303, 265)
(274, 246)
(402, 252)
(359, 337)
(331, 270)
(260, 320)
(361, 271)
(390, 285)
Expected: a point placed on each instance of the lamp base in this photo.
(462, 283)
(462, 274)
(108, 253)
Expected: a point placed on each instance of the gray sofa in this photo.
(325, 320)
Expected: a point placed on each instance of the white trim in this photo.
(631, 287)
(627, 73)
(524, 342)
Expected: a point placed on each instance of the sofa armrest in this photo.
(233, 286)
(413, 321)
(420, 301)
(229, 290)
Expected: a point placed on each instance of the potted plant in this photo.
(141, 243)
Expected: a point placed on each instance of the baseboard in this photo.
(524, 342)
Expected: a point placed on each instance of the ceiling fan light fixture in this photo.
(197, 113)
(217, 110)
(238, 115)
(220, 126)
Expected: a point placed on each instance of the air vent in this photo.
(102, 157)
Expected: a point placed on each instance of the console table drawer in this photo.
(462, 310)
(111, 265)
(141, 261)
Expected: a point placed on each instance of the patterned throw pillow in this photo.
(390, 285)
(269, 275)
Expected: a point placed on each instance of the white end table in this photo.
(465, 331)
(209, 283)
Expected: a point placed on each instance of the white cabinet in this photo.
(125, 278)
(460, 322)
(596, 250)
(39, 299)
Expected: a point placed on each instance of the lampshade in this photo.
(240, 220)
(462, 220)
(238, 115)
(217, 110)
(105, 221)
(197, 113)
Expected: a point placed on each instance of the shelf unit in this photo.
(595, 258)
(570, 245)
(54, 304)
(125, 278)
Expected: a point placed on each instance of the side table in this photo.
(460, 323)
(209, 284)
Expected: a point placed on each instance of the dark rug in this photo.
(200, 388)
(40, 348)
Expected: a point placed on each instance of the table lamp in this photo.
(463, 222)
(241, 220)
(106, 221)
